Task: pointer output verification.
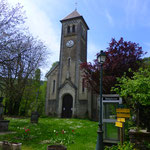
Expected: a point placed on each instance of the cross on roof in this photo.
(76, 5)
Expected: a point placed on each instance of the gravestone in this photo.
(34, 117)
(56, 147)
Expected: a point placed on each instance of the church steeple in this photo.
(69, 99)
(74, 14)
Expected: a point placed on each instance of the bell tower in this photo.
(73, 49)
(66, 95)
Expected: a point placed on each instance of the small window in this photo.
(83, 85)
(69, 61)
(73, 28)
(53, 86)
(68, 29)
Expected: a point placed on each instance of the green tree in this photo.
(137, 88)
(146, 62)
(34, 95)
(136, 92)
(36, 85)
(42, 97)
(27, 99)
(37, 78)
(120, 56)
(54, 64)
(20, 55)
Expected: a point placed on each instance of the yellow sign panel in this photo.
(121, 115)
(123, 110)
(119, 124)
(121, 119)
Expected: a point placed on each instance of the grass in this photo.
(112, 131)
(75, 134)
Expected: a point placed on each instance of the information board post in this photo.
(122, 113)
(121, 136)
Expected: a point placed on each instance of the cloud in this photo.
(147, 44)
(109, 18)
(92, 51)
(130, 10)
(136, 12)
(40, 25)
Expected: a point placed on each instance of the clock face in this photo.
(70, 43)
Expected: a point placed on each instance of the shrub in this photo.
(125, 146)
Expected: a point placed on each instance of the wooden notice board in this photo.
(122, 110)
(121, 115)
(119, 124)
(121, 119)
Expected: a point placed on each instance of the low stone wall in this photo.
(5, 145)
(139, 138)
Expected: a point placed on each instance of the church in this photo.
(66, 95)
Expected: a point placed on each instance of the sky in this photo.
(106, 19)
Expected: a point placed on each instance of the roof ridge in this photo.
(74, 14)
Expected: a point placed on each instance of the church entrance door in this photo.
(67, 106)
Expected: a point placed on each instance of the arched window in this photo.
(53, 86)
(68, 29)
(69, 61)
(83, 85)
(73, 28)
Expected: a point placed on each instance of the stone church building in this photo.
(66, 95)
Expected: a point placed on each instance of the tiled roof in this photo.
(74, 14)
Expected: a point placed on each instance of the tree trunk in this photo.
(137, 116)
(10, 106)
(16, 106)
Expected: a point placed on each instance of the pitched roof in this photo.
(68, 81)
(74, 14)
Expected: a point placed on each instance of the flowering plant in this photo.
(63, 137)
(26, 133)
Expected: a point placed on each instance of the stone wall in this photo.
(51, 110)
(82, 109)
(140, 139)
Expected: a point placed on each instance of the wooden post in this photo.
(122, 113)
(121, 136)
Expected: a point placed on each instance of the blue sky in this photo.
(129, 19)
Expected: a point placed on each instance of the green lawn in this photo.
(75, 134)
